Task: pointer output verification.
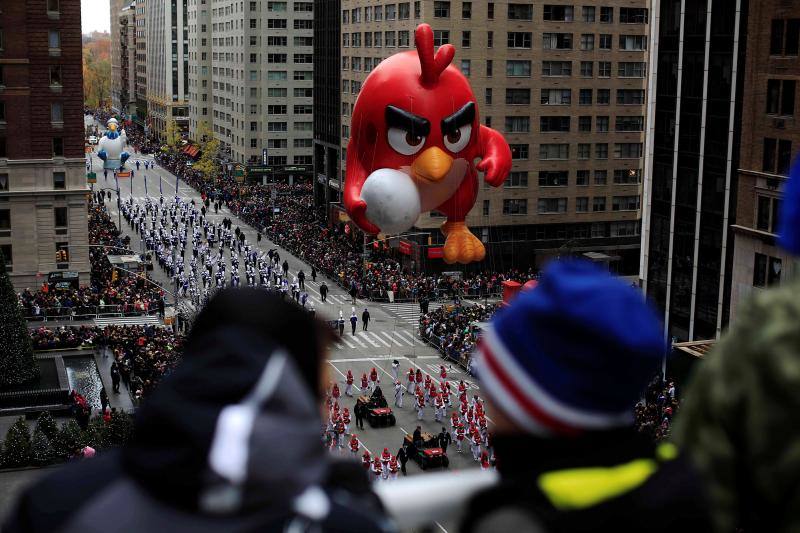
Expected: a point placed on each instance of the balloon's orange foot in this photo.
(461, 245)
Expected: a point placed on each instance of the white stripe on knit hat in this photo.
(544, 400)
(505, 401)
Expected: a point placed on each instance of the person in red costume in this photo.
(416, 133)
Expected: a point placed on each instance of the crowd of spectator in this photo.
(655, 412)
(63, 337)
(125, 294)
(453, 330)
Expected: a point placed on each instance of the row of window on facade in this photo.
(56, 144)
(514, 39)
(59, 181)
(274, 7)
(545, 206)
(56, 112)
(61, 255)
(521, 11)
(520, 152)
(560, 178)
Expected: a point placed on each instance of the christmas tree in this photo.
(68, 441)
(41, 451)
(17, 364)
(47, 425)
(17, 446)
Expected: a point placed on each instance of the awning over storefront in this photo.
(191, 150)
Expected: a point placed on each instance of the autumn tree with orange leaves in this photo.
(97, 71)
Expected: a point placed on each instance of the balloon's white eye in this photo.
(404, 141)
(455, 141)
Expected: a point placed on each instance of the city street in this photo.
(392, 332)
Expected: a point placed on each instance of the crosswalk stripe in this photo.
(127, 321)
(372, 342)
(397, 334)
(343, 340)
(355, 339)
(391, 338)
(381, 340)
(409, 335)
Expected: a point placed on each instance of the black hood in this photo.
(175, 429)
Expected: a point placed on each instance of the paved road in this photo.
(392, 333)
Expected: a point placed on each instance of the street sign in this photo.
(91, 177)
(124, 174)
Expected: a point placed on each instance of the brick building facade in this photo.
(42, 182)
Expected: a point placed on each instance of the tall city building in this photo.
(770, 142)
(127, 70)
(116, 53)
(327, 100)
(566, 86)
(694, 117)
(200, 96)
(140, 65)
(43, 190)
(167, 53)
(257, 61)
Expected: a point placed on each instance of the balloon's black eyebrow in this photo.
(463, 116)
(405, 120)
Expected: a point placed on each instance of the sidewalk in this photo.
(121, 401)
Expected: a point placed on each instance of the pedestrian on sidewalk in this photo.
(365, 322)
(115, 377)
(341, 324)
(353, 292)
(323, 291)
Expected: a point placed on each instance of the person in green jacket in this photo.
(740, 419)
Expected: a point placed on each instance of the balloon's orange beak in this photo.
(432, 165)
(113, 127)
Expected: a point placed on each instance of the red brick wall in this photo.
(26, 63)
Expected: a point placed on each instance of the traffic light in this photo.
(61, 256)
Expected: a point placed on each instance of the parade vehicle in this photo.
(379, 413)
(426, 452)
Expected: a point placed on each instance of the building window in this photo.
(58, 147)
(766, 270)
(777, 156)
(554, 124)
(605, 41)
(516, 178)
(59, 180)
(785, 37)
(486, 208)
(625, 203)
(627, 150)
(553, 151)
(601, 124)
(633, 15)
(466, 38)
(5, 219)
(606, 15)
(518, 125)
(558, 13)
(519, 152)
(553, 96)
(582, 204)
(55, 75)
(466, 67)
(3, 182)
(7, 255)
(441, 9)
(600, 177)
(53, 6)
(584, 151)
(440, 37)
(588, 13)
(61, 217)
(598, 204)
(557, 41)
(603, 96)
(520, 11)
(519, 39)
(62, 254)
(552, 205)
(585, 97)
(604, 69)
(587, 41)
(601, 151)
(390, 12)
(490, 11)
(633, 42)
(56, 112)
(515, 206)
(518, 68)
(627, 176)
(767, 209)
(553, 178)
(587, 69)
(489, 68)
(584, 124)
(54, 39)
(518, 96)
(636, 69)
(488, 96)
(556, 68)
(780, 97)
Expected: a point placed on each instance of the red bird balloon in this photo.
(415, 135)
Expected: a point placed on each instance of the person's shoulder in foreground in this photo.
(740, 419)
(563, 367)
(228, 442)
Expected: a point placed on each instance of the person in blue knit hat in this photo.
(563, 367)
(740, 418)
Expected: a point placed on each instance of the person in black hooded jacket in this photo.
(228, 442)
